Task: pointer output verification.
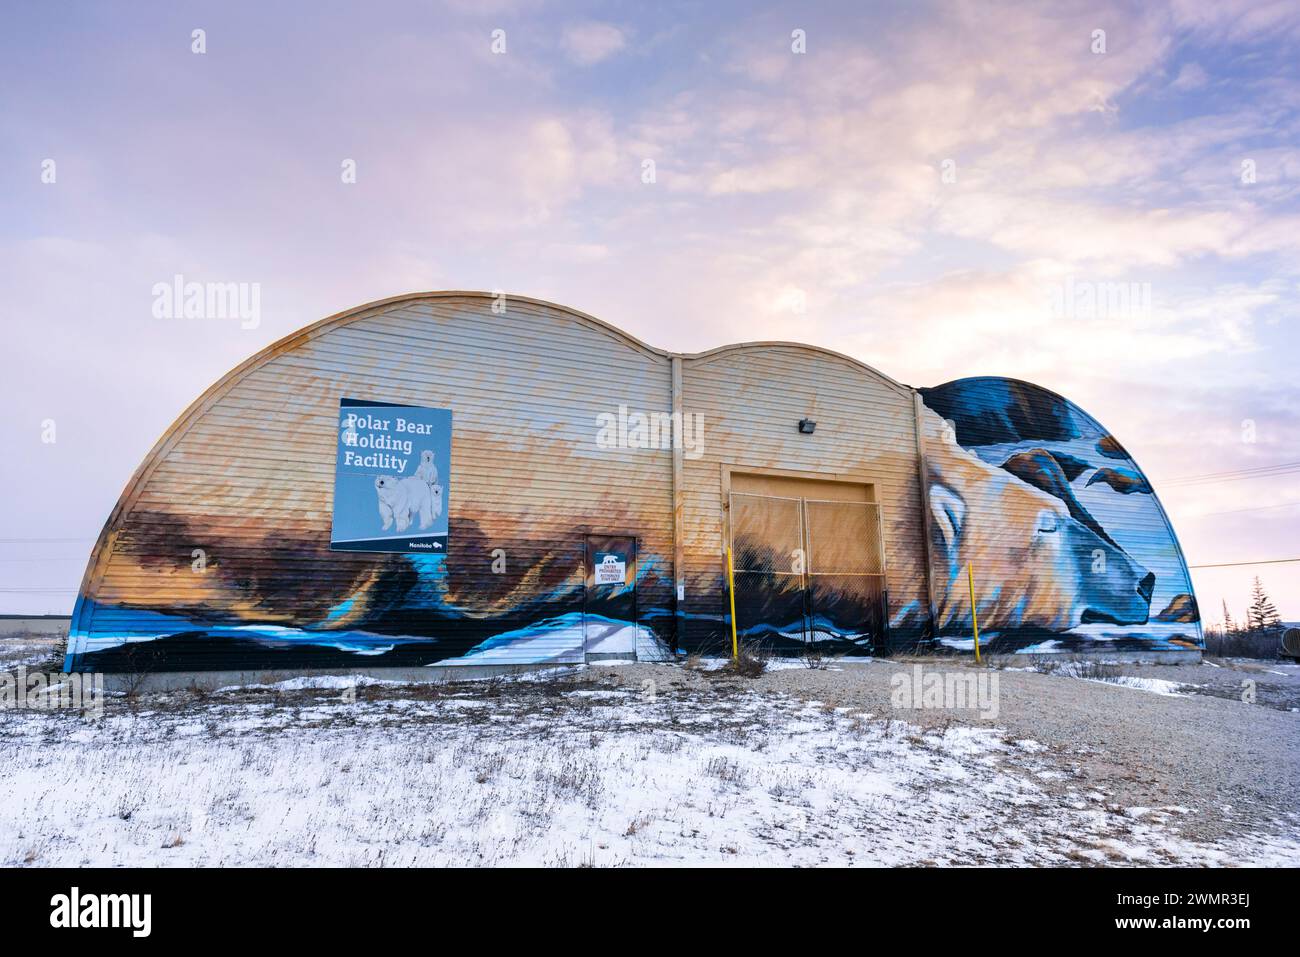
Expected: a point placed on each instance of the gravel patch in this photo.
(1275, 684)
(1235, 765)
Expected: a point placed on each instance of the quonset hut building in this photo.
(458, 478)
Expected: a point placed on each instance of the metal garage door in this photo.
(808, 571)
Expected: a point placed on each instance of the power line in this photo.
(1266, 561)
(1236, 475)
(1231, 478)
(1256, 508)
(41, 541)
(51, 558)
(1256, 468)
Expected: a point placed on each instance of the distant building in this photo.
(34, 625)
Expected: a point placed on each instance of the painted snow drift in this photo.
(1070, 546)
(390, 611)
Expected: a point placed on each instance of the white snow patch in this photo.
(1154, 685)
(322, 682)
(601, 776)
(1084, 671)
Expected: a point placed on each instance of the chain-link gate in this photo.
(767, 551)
(807, 572)
(846, 572)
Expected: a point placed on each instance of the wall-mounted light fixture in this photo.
(807, 426)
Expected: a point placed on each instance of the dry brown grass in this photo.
(747, 664)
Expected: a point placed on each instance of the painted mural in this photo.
(395, 611)
(223, 553)
(1071, 549)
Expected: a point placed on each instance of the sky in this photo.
(938, 189)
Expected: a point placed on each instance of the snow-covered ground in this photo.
(584, 769)
(1100, 671)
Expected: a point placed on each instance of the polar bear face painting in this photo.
(399, 498)
(1060, 573)
(427, 472)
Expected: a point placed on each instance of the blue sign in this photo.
(391, 478)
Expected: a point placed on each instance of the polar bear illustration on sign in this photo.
(400, 498)
(427, 472)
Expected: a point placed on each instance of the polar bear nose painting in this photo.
(1062, 568)
(1113, 587)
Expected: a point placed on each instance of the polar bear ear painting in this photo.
(427, 471)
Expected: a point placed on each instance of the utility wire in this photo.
(1266, 471)
(1267, 561)
(1255, 508)
(41, 541)
(52, 558)
(1255, 468)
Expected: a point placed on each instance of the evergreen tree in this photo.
(1261, 614)
(1228, 627)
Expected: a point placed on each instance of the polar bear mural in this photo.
(1064, 557)
(1055, 572)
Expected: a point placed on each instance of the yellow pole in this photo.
(974, 619)
(731, 593)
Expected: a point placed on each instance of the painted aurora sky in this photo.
(797, 196)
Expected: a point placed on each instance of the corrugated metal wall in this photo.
(244, 480)
(752, 398)
(248, 479)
